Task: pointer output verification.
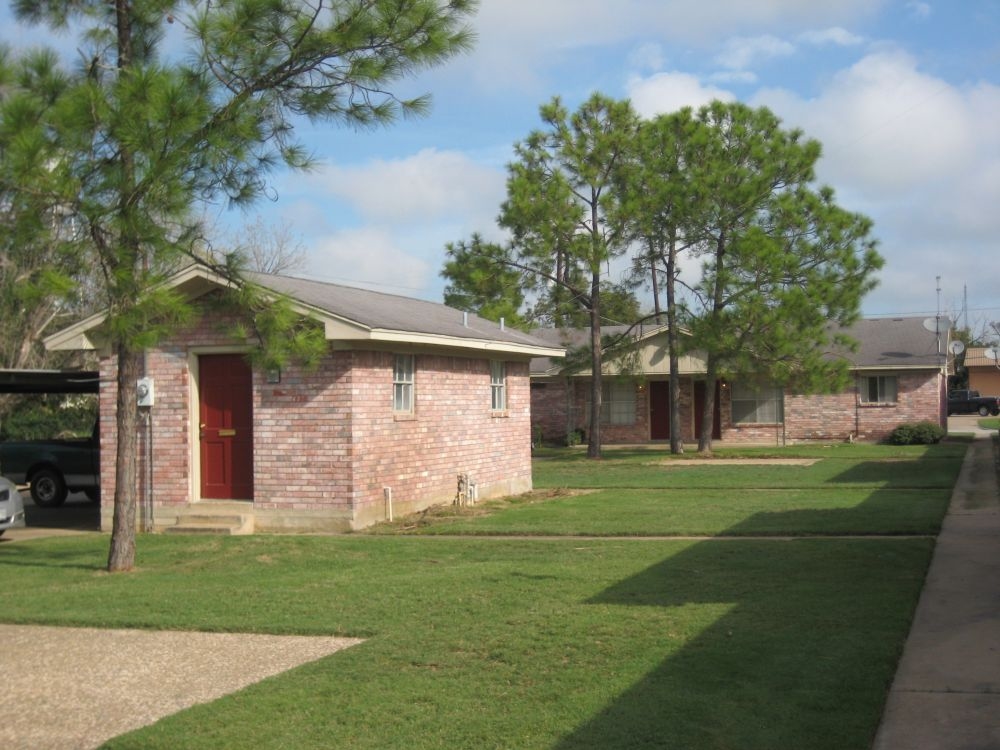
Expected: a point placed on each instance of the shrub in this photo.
(40, 417)
(917, 433)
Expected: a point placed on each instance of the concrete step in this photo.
(202, 528)
(205, 521)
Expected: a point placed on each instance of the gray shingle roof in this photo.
(882, 343)
(390, 312)
(895, 342)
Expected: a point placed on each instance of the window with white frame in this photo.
(878, 389)
(402, 383)
(498, 385)
(753, 403)
(617, 402)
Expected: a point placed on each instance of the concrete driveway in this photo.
(79, 687)
(968, 424)
(78, 515)
(87, 685)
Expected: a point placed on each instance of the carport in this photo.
(76, 516)
(48, 381)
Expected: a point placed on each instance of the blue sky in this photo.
(904, 95)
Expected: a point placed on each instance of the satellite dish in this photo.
(957, 347)
(937, 325)
(990, 353)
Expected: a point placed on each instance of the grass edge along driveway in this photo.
(515, 643)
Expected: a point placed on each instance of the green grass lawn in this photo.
(692, 512)
(838, 466)
(856, 490)
(544, 643)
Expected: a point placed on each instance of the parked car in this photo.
(11, 506)
(54, 468)
(970, 402)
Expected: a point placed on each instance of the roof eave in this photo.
(457, 342)
(198, 281)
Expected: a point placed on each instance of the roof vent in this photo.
(502, 327)
(465, 319)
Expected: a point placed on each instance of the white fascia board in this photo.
(337, 328)
(454, 342)
(75, 338)
(893, 368)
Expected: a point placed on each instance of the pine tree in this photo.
(783, 266)
(140, 140)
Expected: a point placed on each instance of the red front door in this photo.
(659, 410)
(226, 427)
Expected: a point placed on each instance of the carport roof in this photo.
(48, 381)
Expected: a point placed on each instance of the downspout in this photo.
(147, 488)
(857, 406)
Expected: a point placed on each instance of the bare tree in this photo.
(268, 248)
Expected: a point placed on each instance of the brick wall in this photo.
(548, 410)
(303, 457)
(451, 431)
(837, 416)
(549, 403)
(842, 415)
(326, 441)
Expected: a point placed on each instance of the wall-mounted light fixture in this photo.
(274, 375)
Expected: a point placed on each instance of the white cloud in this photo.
(367, 256)
(427, 186)
(668, 92)
(647, 57)
(584, 22)
(744, 77)
(919, 10)
(741, 52)
(835, 35)
(519, 39)
(885, 125)
(921, 156)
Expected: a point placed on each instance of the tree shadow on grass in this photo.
(71, 552)
(802, 657)
(887, 512)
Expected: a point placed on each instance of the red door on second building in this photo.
(225, 386)
(659, 410)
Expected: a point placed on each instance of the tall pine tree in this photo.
(139, 139)
(783, 266)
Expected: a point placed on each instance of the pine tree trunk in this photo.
(708, 410)
(121, 556)
(673, 344)
(594, 439)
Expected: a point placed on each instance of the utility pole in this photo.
(937, 316)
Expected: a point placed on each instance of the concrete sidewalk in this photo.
(946, 693)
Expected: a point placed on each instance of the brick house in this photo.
(984, 373)
(410, 395)
(897, 377)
